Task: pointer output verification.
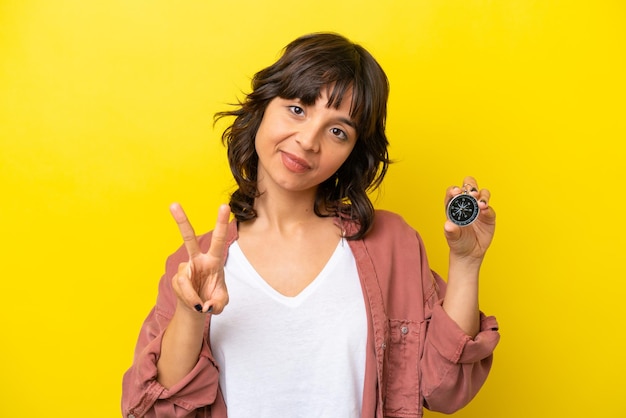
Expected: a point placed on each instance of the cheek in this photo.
(348, 151)
(340, 157)
(260, 139)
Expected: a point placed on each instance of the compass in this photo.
(463, 209)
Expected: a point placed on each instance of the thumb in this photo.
(451, 231)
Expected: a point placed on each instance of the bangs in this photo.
(306, 83)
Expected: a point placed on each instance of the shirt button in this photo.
(404, 330)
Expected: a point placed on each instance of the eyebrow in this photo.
(348, 122)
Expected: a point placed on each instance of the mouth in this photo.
(294, 164)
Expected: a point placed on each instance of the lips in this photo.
(294, 163)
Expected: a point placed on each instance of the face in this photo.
(299, 146)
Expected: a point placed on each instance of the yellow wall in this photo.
(105, 118)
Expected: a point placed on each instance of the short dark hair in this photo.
(307, 65)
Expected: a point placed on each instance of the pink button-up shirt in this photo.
(417, 357)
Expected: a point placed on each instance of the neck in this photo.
(288, 215)
(286, 209)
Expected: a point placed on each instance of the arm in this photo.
(142, 394)
(460, 340)
(200, 288)
(173, 373)
(461, 301)
(468, 246)
(454, 364)
(181, 345)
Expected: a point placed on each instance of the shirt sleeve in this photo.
(455, 365)
(142, 394)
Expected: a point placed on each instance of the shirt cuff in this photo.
(198, 388)
(452, 343)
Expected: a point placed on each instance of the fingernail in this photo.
(210, 309)
(198, 307)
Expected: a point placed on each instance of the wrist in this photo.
(465, 262)
(189, 314)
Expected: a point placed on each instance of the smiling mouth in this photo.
(294, 164)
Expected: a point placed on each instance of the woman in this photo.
(332, 309)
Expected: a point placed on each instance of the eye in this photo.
(296, 110)
(339, 133)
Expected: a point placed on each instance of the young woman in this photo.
(310, 303)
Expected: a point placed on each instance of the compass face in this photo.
(463, 209)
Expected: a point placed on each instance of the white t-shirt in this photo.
(301, 356)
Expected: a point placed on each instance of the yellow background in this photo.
(106, 117)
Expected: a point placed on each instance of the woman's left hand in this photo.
(471, 242)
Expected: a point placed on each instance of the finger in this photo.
(217, 302)
(470, 184)
(186, 230)
(218, 239)
(483, 197)
(451, 230)
(488, 215)
(184, 288)
(451, 192)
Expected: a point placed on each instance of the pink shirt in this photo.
(418, 356)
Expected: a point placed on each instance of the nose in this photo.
(309, 137)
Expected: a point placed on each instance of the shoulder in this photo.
(388, 217)
(394, 250)
(390, 223)
(391, 232)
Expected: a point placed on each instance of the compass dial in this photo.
(463, 209)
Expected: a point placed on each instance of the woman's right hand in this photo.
(199, 283)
